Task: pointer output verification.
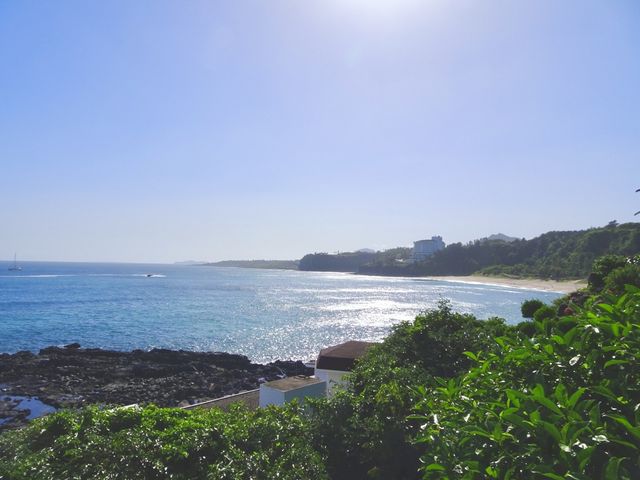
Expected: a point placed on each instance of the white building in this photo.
(333, 366)
(425, 248)
(335, 363)
(286, 389)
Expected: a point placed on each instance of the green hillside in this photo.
(264, 264)
(557, 255)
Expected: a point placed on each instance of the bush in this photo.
(544, 313)
(529, 307)
(364, 432)
(527, 328)
(602, 267)
(563, 404)
(162, 443)
(628, 275)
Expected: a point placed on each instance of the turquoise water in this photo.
(264, 314)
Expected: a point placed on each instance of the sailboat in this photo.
(15, 267)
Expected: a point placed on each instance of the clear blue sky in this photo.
(171, 130)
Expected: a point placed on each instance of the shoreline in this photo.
(71, 377)
(558, 286)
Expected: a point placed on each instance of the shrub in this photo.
(628, 275)
(162, 443)
(364, 432)
(602, 267)
(527, 328)
(544, 313)
(563, 404)
(529, 307)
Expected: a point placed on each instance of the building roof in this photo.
(342, 357)
(250, 398)
(292, 383)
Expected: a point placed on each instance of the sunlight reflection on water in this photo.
(266, 315)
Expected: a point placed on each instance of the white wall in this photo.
(333, 378)
(270, 396)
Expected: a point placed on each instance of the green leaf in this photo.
(434, 467)
(552, 475)
(584, 457)
(513, 395)
(610, 363)
(573, 399)
(492, 472)
(613, 467)
(606, 307)
(561, 393)
(516, 420)
(538, 396)
(605, 392)
(568, 337)
(552, 430)
(635, 431)
(624, 443)
(471, 355)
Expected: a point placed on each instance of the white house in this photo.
(278, 392)
(335, 363)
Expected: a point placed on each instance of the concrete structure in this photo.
(425, 248)
(335, 363)
(249, 398)
(286, 389)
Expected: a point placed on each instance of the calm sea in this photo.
(264, 314)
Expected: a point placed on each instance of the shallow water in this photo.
(265, 314)
(36, 407)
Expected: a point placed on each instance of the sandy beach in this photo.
(563, 286)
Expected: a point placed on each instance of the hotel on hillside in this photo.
(425, 248)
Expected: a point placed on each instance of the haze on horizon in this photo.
(159, 131)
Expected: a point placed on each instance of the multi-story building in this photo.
(425, 248)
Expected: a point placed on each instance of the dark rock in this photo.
(72, 346)
(71, 377)
(291, 368)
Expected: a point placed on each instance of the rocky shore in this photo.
(71, 376)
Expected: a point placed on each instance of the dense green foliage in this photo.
(563, 404)
(161, 443)
(341, 262)
(555, 255)
(529, 307)
(265, 264)
(364, 432)
(352, 261)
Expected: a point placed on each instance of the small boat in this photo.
(15, 267)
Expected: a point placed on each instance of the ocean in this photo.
(264, 314)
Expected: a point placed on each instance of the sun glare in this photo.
(378, 10)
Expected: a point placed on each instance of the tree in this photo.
(529, 307)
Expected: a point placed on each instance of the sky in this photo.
(161, 131)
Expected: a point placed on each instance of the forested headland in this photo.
(264, 264)
(553, 255)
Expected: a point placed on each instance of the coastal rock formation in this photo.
(71, 377)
